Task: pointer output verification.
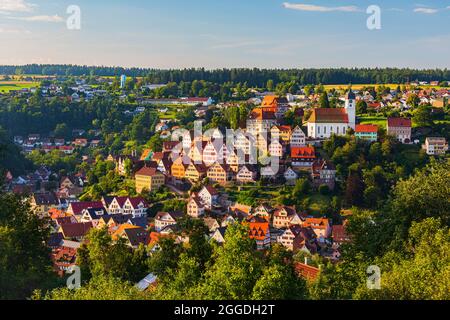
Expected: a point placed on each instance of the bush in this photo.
(324, 189)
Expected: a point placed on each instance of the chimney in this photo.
(306, 260)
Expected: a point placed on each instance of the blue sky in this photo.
(227, 33)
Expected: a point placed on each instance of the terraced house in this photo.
(219, 173)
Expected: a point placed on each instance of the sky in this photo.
(226, 33)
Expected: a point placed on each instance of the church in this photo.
(327, 121)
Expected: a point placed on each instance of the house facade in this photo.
(298, 138)
(400, 128)
(323, 173)
(435, 146)
(149, 179)
(368, 132)
(195, 208)
(219, 173)
(302, 156)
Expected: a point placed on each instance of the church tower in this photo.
(350, 107)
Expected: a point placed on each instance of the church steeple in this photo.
(350, 107)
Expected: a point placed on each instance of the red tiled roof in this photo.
(290, 211)
(212, 191)
(194, 99)
(258, 230)
(121, 200)
(75, 230)
(399, 122)
(303, 152)
(136, 200)
(374, 105)
(316, 223)
(260, 114)
(285, 128)
(306, 271)
(147, 171)
(77, 207)
(329, 115)
(366, 128)
(339, 234)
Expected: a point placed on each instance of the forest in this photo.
(253, 77)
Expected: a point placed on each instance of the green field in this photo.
(7, 86)
(379, 121)
(360, 86)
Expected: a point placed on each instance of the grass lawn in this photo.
(7, 86)
(169, 115)
(379, 121)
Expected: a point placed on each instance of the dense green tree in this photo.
(354, 189)
(25, 262)
(236, 269)
(101, 256)
(165, 260)
(413, 100)
(99, 288)
(425, 271)
(361, 107)
(324, 102)
(422, 116)
(278, 282)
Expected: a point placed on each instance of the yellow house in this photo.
(219, 173)
(41, 203)
(195, 172)
(178, 169)
(149, 178)
(232, 160)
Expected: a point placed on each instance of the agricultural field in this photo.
(7, 86)
(360, 86)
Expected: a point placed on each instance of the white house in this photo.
(290, 176)
(435, 146)
(164, 219)
(276, 149)
(214, 152)
(208, 196)
(298, 138)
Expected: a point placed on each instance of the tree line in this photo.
(253, 77)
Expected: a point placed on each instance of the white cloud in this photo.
(396, 9)
(315, 8)
(54, 18)
(426, 10)
(15, 6)
(7, 30)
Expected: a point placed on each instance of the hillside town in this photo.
(282, 141)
